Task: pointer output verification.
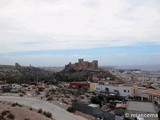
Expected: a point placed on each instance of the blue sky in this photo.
(54, 32)
(116, 56)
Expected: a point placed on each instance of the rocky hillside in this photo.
(19, 73)
(70, 74)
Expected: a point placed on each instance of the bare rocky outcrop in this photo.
(18, 73)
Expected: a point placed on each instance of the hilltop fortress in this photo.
(83, 65)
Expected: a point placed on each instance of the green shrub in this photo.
(71, 109)
(16, 104)
(8, 114)
(21, 95)
(49, 99)
(47, 114)
(40, 110)
(11, 116)
(5, 112)
(95, 100)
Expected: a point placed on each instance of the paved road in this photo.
(57, 112)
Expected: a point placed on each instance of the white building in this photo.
(140, 91)
(16, 86)
(147, 78)
(123, 90)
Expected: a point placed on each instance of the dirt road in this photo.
(57, 112)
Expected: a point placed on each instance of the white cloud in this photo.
(61, 24)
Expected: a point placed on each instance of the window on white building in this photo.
(107, 89)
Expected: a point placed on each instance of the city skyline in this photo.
(54, 32)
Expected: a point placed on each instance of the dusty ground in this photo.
(59, 97)
(58, 113)
(21, 112)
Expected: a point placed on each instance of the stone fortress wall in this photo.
(84, 65)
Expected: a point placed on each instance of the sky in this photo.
(55, 32)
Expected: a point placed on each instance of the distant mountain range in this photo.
(141, 67)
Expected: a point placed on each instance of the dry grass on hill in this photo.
(14, 111)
